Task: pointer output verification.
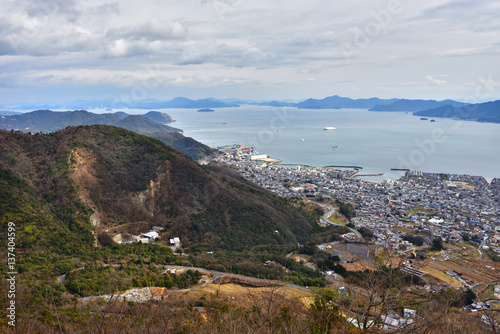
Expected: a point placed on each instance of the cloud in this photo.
(437, 80)
(152, 37)
(105, 9)
(197, 53)
(44, 77)
(277, 45)
(39, 9)
(118, 48)
(153, 30)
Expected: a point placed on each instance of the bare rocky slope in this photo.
(97, 176)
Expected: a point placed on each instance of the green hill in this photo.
(116, 175)
(66, 192)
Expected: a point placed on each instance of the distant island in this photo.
(338, 102)
(206, 110)
(481, 112)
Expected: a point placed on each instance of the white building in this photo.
(176, 242)
(150, 236)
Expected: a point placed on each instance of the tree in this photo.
(377, 293)
(437, 244)
(366, 233)
(346, 209)
(414, 239)
(324, 312)
(105, 239)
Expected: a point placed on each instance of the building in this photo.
(175, 242)
(150, 236)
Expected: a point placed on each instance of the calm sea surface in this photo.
(376, 141)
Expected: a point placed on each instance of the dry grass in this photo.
(441, 276)
(475, 271)
(238, 292)
(402, 229)
(359, 266)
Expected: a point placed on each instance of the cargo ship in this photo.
(329, 128)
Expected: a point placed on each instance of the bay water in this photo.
(376, 141)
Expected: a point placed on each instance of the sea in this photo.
(375, 141)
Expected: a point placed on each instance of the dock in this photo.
(270, 160)
(350, 167)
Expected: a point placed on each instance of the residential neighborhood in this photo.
(451, 207)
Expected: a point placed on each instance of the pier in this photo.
(350, 167)
(294, 165)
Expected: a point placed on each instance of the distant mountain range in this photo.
(481, 112)
(151, 124)
(337, 102)
(414, 105)
(109, 104)
(331, 102)
(446, 107)
(9, 113)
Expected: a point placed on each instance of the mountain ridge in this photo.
(50, 121)
(414, 105)
(132, 178)
(480, 112)
(337, 102)
(329, 102)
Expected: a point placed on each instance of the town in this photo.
(454, 208)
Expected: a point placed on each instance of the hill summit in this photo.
(110, 176)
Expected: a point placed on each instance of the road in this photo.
(219, 274)
(330, 211)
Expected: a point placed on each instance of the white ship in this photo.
(329, 128)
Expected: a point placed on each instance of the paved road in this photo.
(330, 211)
(478, 284)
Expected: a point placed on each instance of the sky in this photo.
(61, 50)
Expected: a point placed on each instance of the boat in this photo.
(329, 128)
(334, 146)
(302, 139)
(424, 119)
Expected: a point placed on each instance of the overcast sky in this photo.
(58, 50)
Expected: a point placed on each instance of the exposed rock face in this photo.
(138, 295)
(81, 162)
(114, 177)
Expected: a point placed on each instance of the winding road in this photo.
(330, 212)
(218, 274)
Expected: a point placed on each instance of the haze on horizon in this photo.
(60, 50)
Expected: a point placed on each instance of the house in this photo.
(156, 229)
(150, 236)
(175, 242)
(130, 239)
(496, 292)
